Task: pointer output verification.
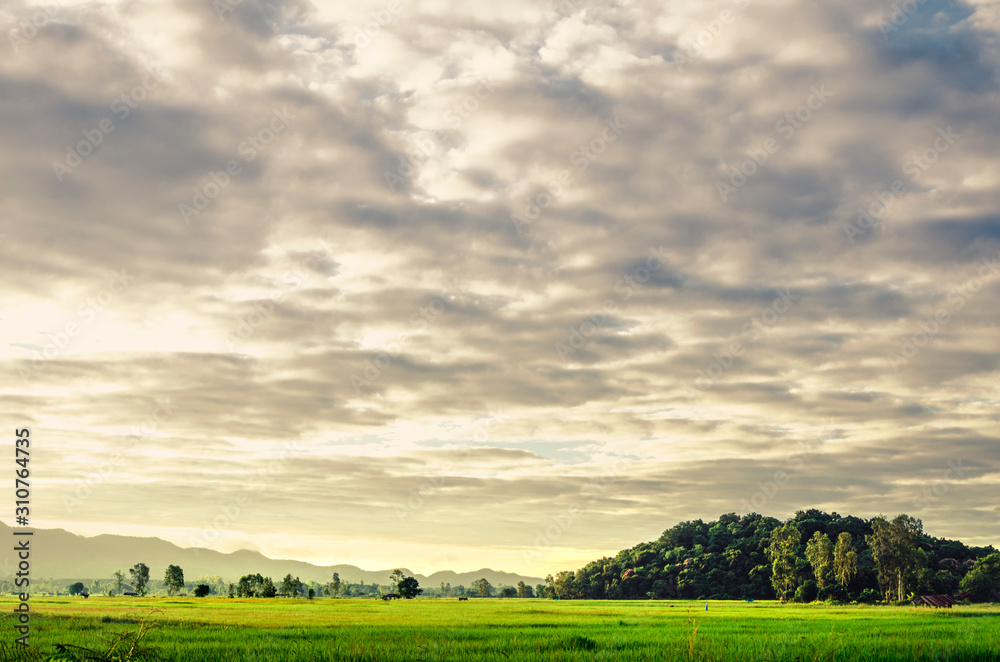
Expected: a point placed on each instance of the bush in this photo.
(807, 592)
(869, 596)
(834, 592)
(201, 590)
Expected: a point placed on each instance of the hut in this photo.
(940, 600)
(935, 601)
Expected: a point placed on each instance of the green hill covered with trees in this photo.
(813, 555)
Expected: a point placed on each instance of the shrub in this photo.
(869, 596)
(807, 592)
(834, 592)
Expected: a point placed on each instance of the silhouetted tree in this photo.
(140, 577)
(409, 587)
(173, 579)
(335, 585)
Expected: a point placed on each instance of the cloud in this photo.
(641, 233)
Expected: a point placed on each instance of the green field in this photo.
(212, 629)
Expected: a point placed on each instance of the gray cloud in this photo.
(351, 274)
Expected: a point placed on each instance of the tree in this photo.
(201, 590)
(119, 581)
(483, 588)
(140, 577)
(290, 586)
(845, 559)
(508, 592)
(231, 592)
(395, 577)
(564, 585)
(524, 591)
(819, 551)
(781, 551)
(76, 589)
(409, 588)
(896, 554)
(255, 586)
(983, 580)
(173, 579)
(547, 591)
(335, 585)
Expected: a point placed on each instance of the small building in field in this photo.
(939, 600)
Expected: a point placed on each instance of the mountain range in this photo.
(59, 554)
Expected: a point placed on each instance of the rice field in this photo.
(277, 630)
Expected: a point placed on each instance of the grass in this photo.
(222, 630)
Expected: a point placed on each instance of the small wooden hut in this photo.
(940, 600)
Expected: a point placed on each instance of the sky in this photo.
(517, 285)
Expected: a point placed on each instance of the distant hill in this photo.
(59, 554)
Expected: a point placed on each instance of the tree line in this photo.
(256, 585)
(813, 555)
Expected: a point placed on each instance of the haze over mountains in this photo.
(58, 554)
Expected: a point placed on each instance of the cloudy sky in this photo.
(451, 285)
